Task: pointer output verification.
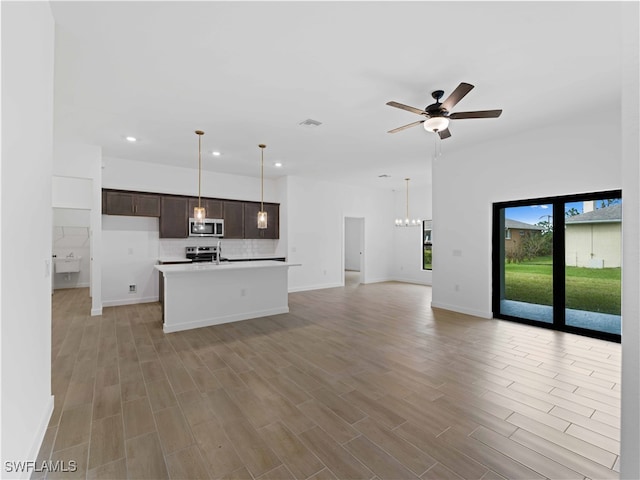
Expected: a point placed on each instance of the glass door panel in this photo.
(526, 289)
(593, 254)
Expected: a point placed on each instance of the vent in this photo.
(384, 175)
(310, 123)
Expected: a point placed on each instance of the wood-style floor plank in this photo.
(362, 381)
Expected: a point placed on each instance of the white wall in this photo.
(630, 423)
(77, 170)
(578, 156)
(352, 243)
(146, 177)
(130, 250)
(407, 241)
(316, 231)
(25, 284)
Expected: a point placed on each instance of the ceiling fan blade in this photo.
(478, 114)
(457, 95)
(406, 126)
(406, 107)
(444, 134)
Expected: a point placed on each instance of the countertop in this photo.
(174, 260)
(214, 267)
(261, 256)
(231, 258)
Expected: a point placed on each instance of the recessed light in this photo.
(277, 164)
(216, 154)
(131, 139)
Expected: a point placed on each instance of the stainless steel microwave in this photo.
(212, 227)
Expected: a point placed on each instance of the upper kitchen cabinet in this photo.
(212, 208)
(131, 203)
(174, 217)
(233, 214)
(251, 230)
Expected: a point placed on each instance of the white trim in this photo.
(39, 436)
(129, 301)
(96, 312)
(315, 287)
(377, 280)
(411, 280)
(226, 319)
(466, 311)
(77, 285)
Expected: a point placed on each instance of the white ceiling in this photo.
(250, 72)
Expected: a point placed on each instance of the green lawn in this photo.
(591, 289)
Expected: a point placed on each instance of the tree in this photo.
(572, 212)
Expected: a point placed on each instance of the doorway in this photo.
(557, 263)
(353, 251)
(71, 240)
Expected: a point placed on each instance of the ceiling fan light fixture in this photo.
(436, 124)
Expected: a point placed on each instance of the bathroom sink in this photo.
(67, 265)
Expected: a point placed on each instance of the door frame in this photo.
(360, 231)
(559, 300)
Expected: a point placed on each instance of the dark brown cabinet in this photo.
(240, 218)
(129, 203)
(251, 229)
(212, 208)
(233, 214)
(174, 217)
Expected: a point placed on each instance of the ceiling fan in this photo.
(438, 115)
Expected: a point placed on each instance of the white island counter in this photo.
(203, 294)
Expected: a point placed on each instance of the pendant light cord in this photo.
(199, 133)
(262, 147)
(407, 180)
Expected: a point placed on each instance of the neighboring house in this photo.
(515, 232)
(594, 239)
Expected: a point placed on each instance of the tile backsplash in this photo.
(170, 247)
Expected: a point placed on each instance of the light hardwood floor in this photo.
(364, 381)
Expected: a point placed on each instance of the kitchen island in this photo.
(203, 294)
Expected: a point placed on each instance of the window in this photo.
(564, 269)
(426, 245)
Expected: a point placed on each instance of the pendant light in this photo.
(262, 215)
(407, 222)
(199, 213)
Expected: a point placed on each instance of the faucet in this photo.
(218, 251)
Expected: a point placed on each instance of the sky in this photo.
(533, 214)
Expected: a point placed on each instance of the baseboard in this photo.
(410, 280)
(315, 287)
(226, 319)
(76, 285)
(96, 312)
(466, 311)
(39, 436)
(129, 301)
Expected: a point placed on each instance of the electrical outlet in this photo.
(243, 292)
(456, 287)
(132, 288)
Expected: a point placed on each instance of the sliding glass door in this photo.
(527, 263)
(557, 262)
(593, 267)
